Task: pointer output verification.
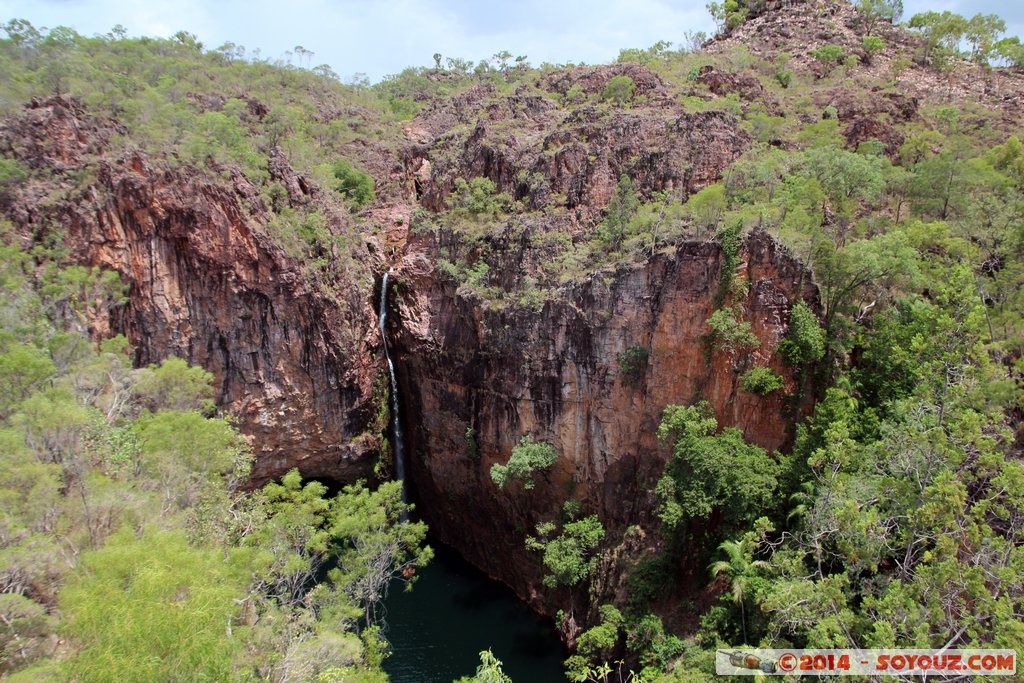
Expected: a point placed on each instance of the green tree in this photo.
(710, 472)
(527, 457)
(864, 266)
(569, 556)
(941, 31)
(730, 334)
(622, 207)
(805, 340)
(982, 34)
(183, 451)
(293, 540)
(489, 671)
(175, 385)
(707, 207)
(594, 646)
(731, 14)
(377, 544)
(355, 184)
(873, 11)
(1010, 51)
(479, 197)
(23, 370)
(738, 568)
(761, 381)
(149, 607)
(846, 178)
(871, 45)
(829, 56)
(633, 365)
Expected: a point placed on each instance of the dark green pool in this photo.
(438, 630)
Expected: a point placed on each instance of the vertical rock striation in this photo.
(292, 363)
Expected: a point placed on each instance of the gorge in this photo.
(761, 304)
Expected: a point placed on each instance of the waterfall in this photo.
(396, 422)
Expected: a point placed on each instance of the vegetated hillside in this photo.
(756, 307)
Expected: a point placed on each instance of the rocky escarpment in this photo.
(294, 364)
(550, 156)
(476, 380)
(796, 28)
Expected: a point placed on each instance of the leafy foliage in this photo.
(569, 556)
(805, 340)
(633, 364)
(378, 544)
(479, 198)
(140, 607)
(730, 334)
(621, 210)
(711, 473)
(489, 671)
(595, 645)
(707, 208)
(527, 457)
(619, 89)
(829, 56)
(898, 511)
(761, 381)
(873, 11)
(872, 45)
(355, 184)
(123, 527)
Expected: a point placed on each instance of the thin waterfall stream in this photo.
(396, 422)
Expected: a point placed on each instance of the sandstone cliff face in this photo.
(295, 366)
(554, 374)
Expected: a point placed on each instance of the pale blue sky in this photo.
(379, 38)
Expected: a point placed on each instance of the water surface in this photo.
(453, 612)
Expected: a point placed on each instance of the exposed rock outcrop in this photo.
(550, 156)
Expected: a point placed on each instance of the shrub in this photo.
(784, 76)
(872, 45)
(806, 339)
(354, 184)
(761, 381)
(570, 556)
(479, 197)
(731, 239)
(730, 334)
(527, 457)
(707, 207)
(11, 172)
(829, 56)
(633, 364)
(619, 89)
(575, 94)
(621, 210)
(171, 601)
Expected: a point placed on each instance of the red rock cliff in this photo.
(554, 374)
(293, 364)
